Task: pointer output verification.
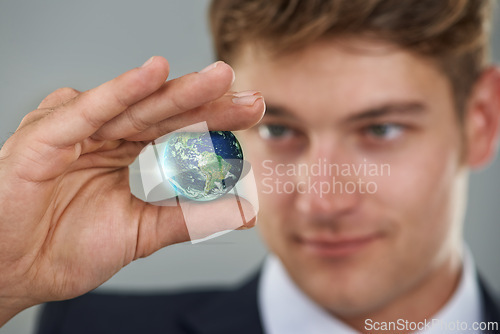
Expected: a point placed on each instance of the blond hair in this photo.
(453, 33)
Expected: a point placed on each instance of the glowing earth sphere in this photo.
(203, 166)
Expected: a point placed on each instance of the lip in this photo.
(337, 247)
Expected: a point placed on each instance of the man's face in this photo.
(358, 168)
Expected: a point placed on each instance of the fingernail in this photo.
(149, 61)
(248, 100)
(210, 67)
(246, 93)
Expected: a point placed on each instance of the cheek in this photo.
(420, 193)
(272, 207)
(274, 195)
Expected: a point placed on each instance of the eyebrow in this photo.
(367, 114)
(406, 108)
(273, 110)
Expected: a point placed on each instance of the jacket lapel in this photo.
(234, 311)
(490, 304)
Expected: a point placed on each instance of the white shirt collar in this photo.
(466, 304)
(285, 309)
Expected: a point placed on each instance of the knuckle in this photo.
(57, 97)
(90, 108)
(137, 123)
(66, 91)
(34, 116)
(91, 120)
(28, 118)
(161, 128)
(120, 100)
(179, 104)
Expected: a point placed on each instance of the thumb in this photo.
(162, 224)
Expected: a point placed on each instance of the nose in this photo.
(330, 189)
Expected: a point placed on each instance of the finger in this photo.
(161, 226)
(113, 154)
(230, 112)
(175, 97)
(85, 114)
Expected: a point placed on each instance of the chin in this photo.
(347, 286)
(347, 298)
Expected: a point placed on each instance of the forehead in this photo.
(341, 75)
(339, 56)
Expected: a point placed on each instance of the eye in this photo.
(274, 131)
(384, 131)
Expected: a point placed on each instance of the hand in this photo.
(68, 221)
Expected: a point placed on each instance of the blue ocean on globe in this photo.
(203, 166)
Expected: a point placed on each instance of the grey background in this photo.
(49, 44)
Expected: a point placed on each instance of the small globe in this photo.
(203, 166)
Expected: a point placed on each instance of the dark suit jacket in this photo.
(205, 312)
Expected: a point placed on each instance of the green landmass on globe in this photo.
(203, 166)
(214, 168)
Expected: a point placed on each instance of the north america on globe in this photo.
(203, 166)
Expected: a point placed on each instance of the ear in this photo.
(482, 119)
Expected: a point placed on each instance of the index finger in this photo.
(82, 116)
